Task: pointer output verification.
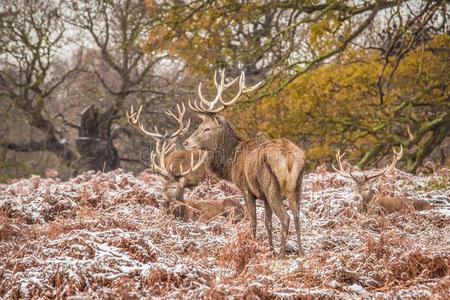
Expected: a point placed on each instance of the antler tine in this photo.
(181, 128)
(160, 153)
(133, 116)
(130, 114)
(218, 95)
(397, 156)
(207, 107)
(242, 89)
(252, 88)
(341, 171)
(225, 85)
(193, 167)
(156, 168)
(133, 119)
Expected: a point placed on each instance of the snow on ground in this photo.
(106, 236)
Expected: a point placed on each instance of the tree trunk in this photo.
(95, 144)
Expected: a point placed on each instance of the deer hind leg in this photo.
(278, 208)
(274, 197)
(268, 222)
(294, 204)
(275, 201)
(250, 204)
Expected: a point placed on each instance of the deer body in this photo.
(389, 204)
(197, 209)
(270, 170)
(363, 190)
(396, 204)
(208, 210)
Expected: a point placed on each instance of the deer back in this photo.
(210, 209)
(277, 161)
(396, 204)
(420, 204)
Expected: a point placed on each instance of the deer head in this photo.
(175, 180)
(213, 126)
(363, 185)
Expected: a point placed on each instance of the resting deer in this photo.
(179, 158)
(364, 193)
(270, 170)
(173, 190)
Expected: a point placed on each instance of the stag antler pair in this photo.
(349, 175)
(168, 141)
(206, 107)
(133, 119)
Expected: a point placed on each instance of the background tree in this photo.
(32, 35)
(117, 31)
(359, 75)
(356, 43)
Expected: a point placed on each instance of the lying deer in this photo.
(191, 209)
(363, 189)
(270, 170)
(179, 158)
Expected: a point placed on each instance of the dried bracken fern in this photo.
(105, 236)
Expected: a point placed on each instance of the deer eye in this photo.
(207, 129)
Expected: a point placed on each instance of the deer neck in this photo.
(222, 159)
(368, 197)
(180, 197)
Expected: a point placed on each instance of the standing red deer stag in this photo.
(363, 189)
(270, 170)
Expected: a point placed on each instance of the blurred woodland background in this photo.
(360, 76)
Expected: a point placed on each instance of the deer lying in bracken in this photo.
(191, 209)
(363, 190)
(179, 158)
(270, 170)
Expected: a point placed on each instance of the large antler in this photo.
(207, 107)
(341, 171)
(395, 159)
(133, 119)
(158, 157)
(193, 166)
(158, 161)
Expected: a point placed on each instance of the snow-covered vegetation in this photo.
(106, 235)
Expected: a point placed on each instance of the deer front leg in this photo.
(250, 204)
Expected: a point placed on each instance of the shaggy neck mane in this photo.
(220, 160)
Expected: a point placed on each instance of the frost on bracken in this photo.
(106, 236)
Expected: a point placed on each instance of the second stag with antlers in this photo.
(363, 189)
(270, 170)
(190, 209)
(178, 158)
